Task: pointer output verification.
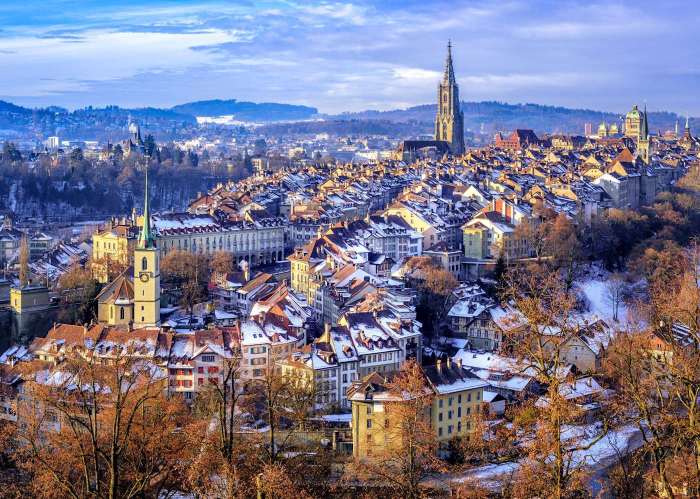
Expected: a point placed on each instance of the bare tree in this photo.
(550, 467)
(616, 289)
(100, 430)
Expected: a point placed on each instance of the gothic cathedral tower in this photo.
(146, 273)
(449, 122)
(643, 141)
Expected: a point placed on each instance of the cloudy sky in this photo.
(350, 56)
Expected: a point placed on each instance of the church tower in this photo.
(643, 140)
(449, 122)
(146, 273)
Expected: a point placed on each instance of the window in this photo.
(369, 423)
(439, 432)
(440, 416)
(449, 430)
(121, 313)
(144, 263)
(208, 358)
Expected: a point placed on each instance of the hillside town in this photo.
(313, 308)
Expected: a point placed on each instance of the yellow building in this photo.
(115, 303)
(29, 298)
(457, 396)
(112, 248)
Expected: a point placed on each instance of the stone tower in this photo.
(146, 273)
(633, 123)
(449, 122)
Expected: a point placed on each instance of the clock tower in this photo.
(146, 273)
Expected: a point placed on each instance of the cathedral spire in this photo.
(644, 129)
(146, 238)
(449, 76)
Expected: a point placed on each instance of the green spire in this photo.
(644, 132)
(146, 238)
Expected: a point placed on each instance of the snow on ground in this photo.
(604, 452)
(596, 294)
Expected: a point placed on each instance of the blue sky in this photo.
(350, 56)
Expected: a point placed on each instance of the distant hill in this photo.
(247, 111)
(499, 116)
(110, 123)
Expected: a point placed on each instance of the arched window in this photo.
(144, 263)
(121, 313)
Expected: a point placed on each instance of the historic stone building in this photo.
(633, 123)
(449, 121)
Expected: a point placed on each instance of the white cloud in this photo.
(416, 74)
(101, 56)
(349, 12)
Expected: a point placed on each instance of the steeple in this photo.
(146, 237)
(449, 120)
(644, 129)
(449, 76)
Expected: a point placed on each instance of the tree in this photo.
(80, 289)
(221, 262)
(222, 466)
(615, 288)
(435, 286)
(281, 401)
(631, 365)
(24, 261)
(546, 305)
(410, 454)
(563, 245)
(101, 430)
(187, 273)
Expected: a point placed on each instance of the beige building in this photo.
(29, 298)
(457, 396)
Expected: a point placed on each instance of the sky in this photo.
(350, 56)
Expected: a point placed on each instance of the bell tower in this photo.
(449, 121)
(146, 273)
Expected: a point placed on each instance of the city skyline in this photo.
(346, 56)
